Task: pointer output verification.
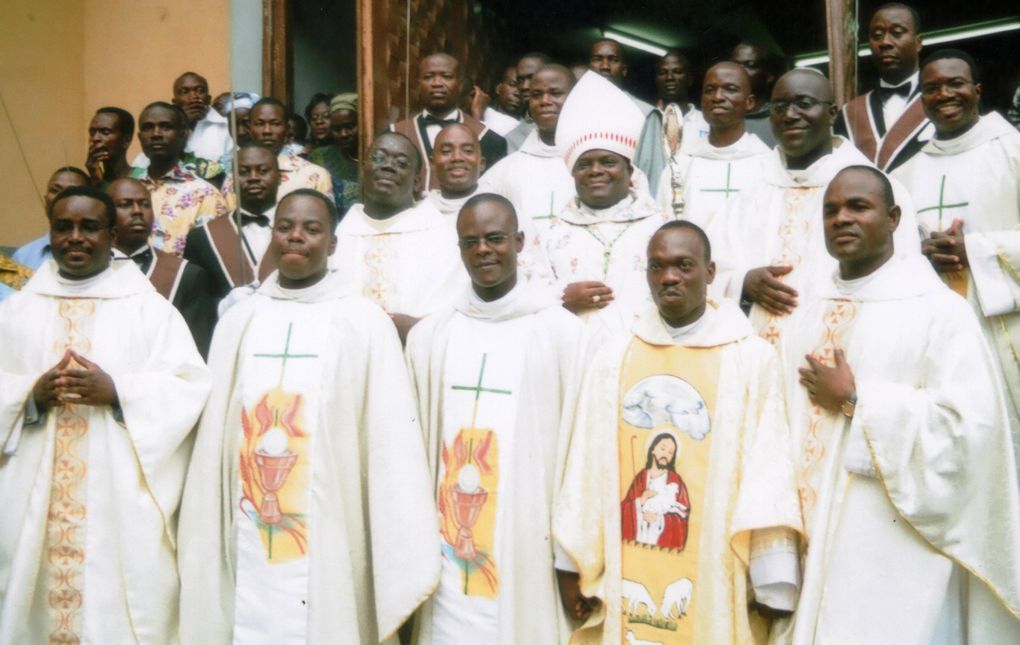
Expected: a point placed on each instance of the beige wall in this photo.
(62, 59)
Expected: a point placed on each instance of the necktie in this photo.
(902, 90)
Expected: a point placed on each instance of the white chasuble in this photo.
(898, 499)
(407, 264)
(781, 224)
(482, 384)
(975, 178)
(535, 180)
(703, 186)
(607, 245)
(531, 346)
(90, 493)
(307, 513)
(280, 392)
(678, 482)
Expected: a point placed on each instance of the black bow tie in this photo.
(902, 90)
(427, 120)
(258, 220)
(139, 259)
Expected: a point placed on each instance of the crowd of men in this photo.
(563, 366)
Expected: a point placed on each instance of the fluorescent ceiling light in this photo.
(636, 43)
(936, 37)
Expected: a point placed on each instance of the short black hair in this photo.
(417, 152)
(269, 100)
(182, 119)
(690, 226)
(255, 145)
(542, 56)
(916, 17)
(125, 122)
(954, 54)
(619, 45)
(196, 75)
(92, 193)
(334, 216)
(888, 196)
(317, 98)
(72, 169)
(492, 198)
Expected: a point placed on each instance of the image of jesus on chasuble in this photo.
(664, 440)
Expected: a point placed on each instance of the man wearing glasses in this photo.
(402, 255)
(777, 247)
(494, 375)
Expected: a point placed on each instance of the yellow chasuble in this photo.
(667, 397)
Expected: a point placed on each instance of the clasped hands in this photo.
(74, 379)
(946, 250)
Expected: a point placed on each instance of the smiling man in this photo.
(180, 199)
(184, 284)
(457, 162)
(235, 257)
(966, 185)
(308, 514)
(102, 388)
(702, 185)
(596, 243)
(267, 123)
(776, 251)
(34, 253)
(501, 590)
(663, 529)
(888, 124)
(907, 479)
(440, 92)
(401, 254)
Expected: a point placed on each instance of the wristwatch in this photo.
(848, 406)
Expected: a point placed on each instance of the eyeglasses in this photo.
(801, 103)
(380, 158)
(491, 240)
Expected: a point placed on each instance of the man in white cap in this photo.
(596, 244)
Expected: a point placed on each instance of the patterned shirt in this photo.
(180, 201)
(295, 173)
(13, 276)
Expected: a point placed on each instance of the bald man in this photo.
(186, 285)
(440, 92)
(774, 254)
